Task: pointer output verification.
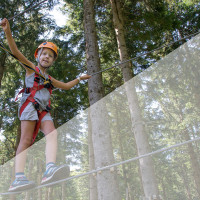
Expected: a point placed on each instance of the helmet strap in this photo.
(39, 54)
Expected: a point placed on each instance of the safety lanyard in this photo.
(1, 46)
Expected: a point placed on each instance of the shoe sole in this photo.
(22, 187)
(59, 174)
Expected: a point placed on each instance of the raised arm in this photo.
(68, 85)
(13, 47)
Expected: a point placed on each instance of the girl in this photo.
(37, 102)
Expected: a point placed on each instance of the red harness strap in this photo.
(33, 91)
(28, 90)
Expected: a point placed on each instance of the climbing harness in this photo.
(36, 87)
(114, 66)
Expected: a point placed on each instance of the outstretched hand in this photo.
(5, 24)
(85, 77)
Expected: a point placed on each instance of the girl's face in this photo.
(46, 58)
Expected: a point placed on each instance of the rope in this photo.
(7, 109)
(15, 16)
(142, 54)
(115, 164)
(120, 163)
(129, 160)
(146, 53)
(1, 46)
(123, 62)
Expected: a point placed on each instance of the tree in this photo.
(146, 164)
(106, 181)
(93, 183)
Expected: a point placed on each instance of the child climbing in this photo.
(34, 110)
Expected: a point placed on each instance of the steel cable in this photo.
(112, 166)
(36, 5)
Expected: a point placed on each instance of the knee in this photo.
(25, 141)
(52, 136)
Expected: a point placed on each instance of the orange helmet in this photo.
(49, 45)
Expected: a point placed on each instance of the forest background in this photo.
(147, 25)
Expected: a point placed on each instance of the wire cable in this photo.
(142, 54)
(1, 46)
(121, 163)
(146, 53)
(109, 167)
(36, 5)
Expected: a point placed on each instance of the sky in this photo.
(60, 19)
(1, 136)
(57, 14)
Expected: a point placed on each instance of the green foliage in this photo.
(148, 25)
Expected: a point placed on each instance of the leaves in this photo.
(169, 103)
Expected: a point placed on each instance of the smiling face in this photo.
(46, 57)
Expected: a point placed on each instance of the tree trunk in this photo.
(39, 169)
(12, 197)
(106, 181)
(2, 66)
(183, 174)
(194, 161)
(121, 152)
(63, 193)
(49, 193)
(93, 182)
(146, 164)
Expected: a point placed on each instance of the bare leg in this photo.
(52, 172)
(48, 128)
(27, 129)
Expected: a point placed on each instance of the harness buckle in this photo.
(47, 84)
(27, 90)
(37, 79)
(36, 105)
(48, 108)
